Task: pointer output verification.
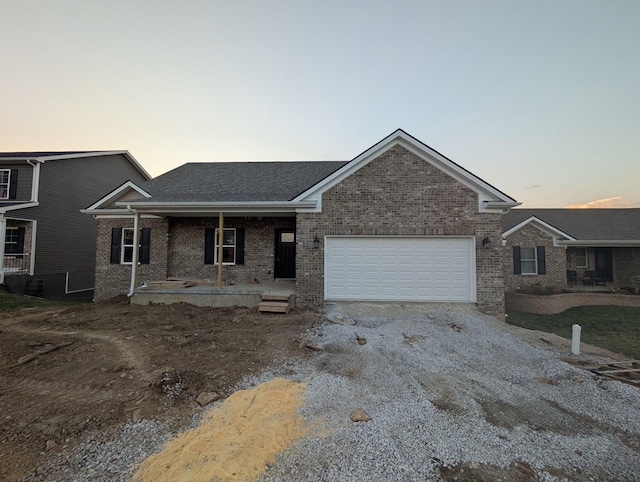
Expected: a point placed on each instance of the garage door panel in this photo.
(400, 268)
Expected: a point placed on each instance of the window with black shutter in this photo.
(232, 246)
(529, 260)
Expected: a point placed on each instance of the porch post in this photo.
(135, 255)
(220, 243)
(3, 234)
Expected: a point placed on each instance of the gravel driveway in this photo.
(452, 395)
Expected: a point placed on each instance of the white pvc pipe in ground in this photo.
(575, 339)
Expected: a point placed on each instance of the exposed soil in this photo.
(65, 372)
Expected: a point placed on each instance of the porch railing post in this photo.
(3, 234)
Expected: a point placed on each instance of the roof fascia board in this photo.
(587, 243)
(540, 224)
(423, 151)
(168, 208)
(116, 192)
(125, 153)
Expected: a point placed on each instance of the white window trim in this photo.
(586, 258)
(234, 246)
(535, 260)
(123, 245)
(12, 229)
(8, 171)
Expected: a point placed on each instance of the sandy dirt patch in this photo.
(236, 440)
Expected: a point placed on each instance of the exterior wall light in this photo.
(486, 243)
(316, 242)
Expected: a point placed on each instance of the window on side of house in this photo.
(11, 241)
(581, 258)
(5, 179)
(529, 260)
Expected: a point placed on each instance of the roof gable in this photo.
(127, 190)
(488, 196)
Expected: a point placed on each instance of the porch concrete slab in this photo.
(243, 294)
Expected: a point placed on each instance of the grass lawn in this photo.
(615, 328)
(9, 302)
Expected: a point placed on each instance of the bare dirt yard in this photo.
(69, 371)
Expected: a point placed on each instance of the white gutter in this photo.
(227, 207)
(589, 243)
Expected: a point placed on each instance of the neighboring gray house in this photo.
(49, 246)
(564, 248)
(400, 222)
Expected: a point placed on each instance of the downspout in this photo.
(136, 249)
(35, 180)
(220, 244)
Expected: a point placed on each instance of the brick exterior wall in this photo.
(400, 194)
(555, 257)
(626, 267)
(114, 279)
(186, 248)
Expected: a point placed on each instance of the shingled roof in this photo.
(238, 181)
(582, 224)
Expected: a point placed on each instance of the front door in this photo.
(285, 266)
(603, 264)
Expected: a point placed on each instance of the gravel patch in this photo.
(452, 395)
(448, 387)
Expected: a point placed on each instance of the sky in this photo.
(539, 98)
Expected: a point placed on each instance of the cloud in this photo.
(535, 186)
(608, 202)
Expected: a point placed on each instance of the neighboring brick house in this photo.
(49, 246)
(400, 222)
(554, 249)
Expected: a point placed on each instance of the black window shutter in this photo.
(517, 269)
(542, 264)
(20, 246)
(145, 246)
(13, 184)
(116, 239)
(209, 245)
(240, 246)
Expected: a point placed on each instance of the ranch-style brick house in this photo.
(399, 222)
(557, 249)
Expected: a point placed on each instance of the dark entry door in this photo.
(604, 263)
(285, 266)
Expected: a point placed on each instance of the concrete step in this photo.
(274, 307)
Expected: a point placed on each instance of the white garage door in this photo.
(403, 268)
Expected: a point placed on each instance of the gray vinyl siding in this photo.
(25, 173)
(66, 238)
